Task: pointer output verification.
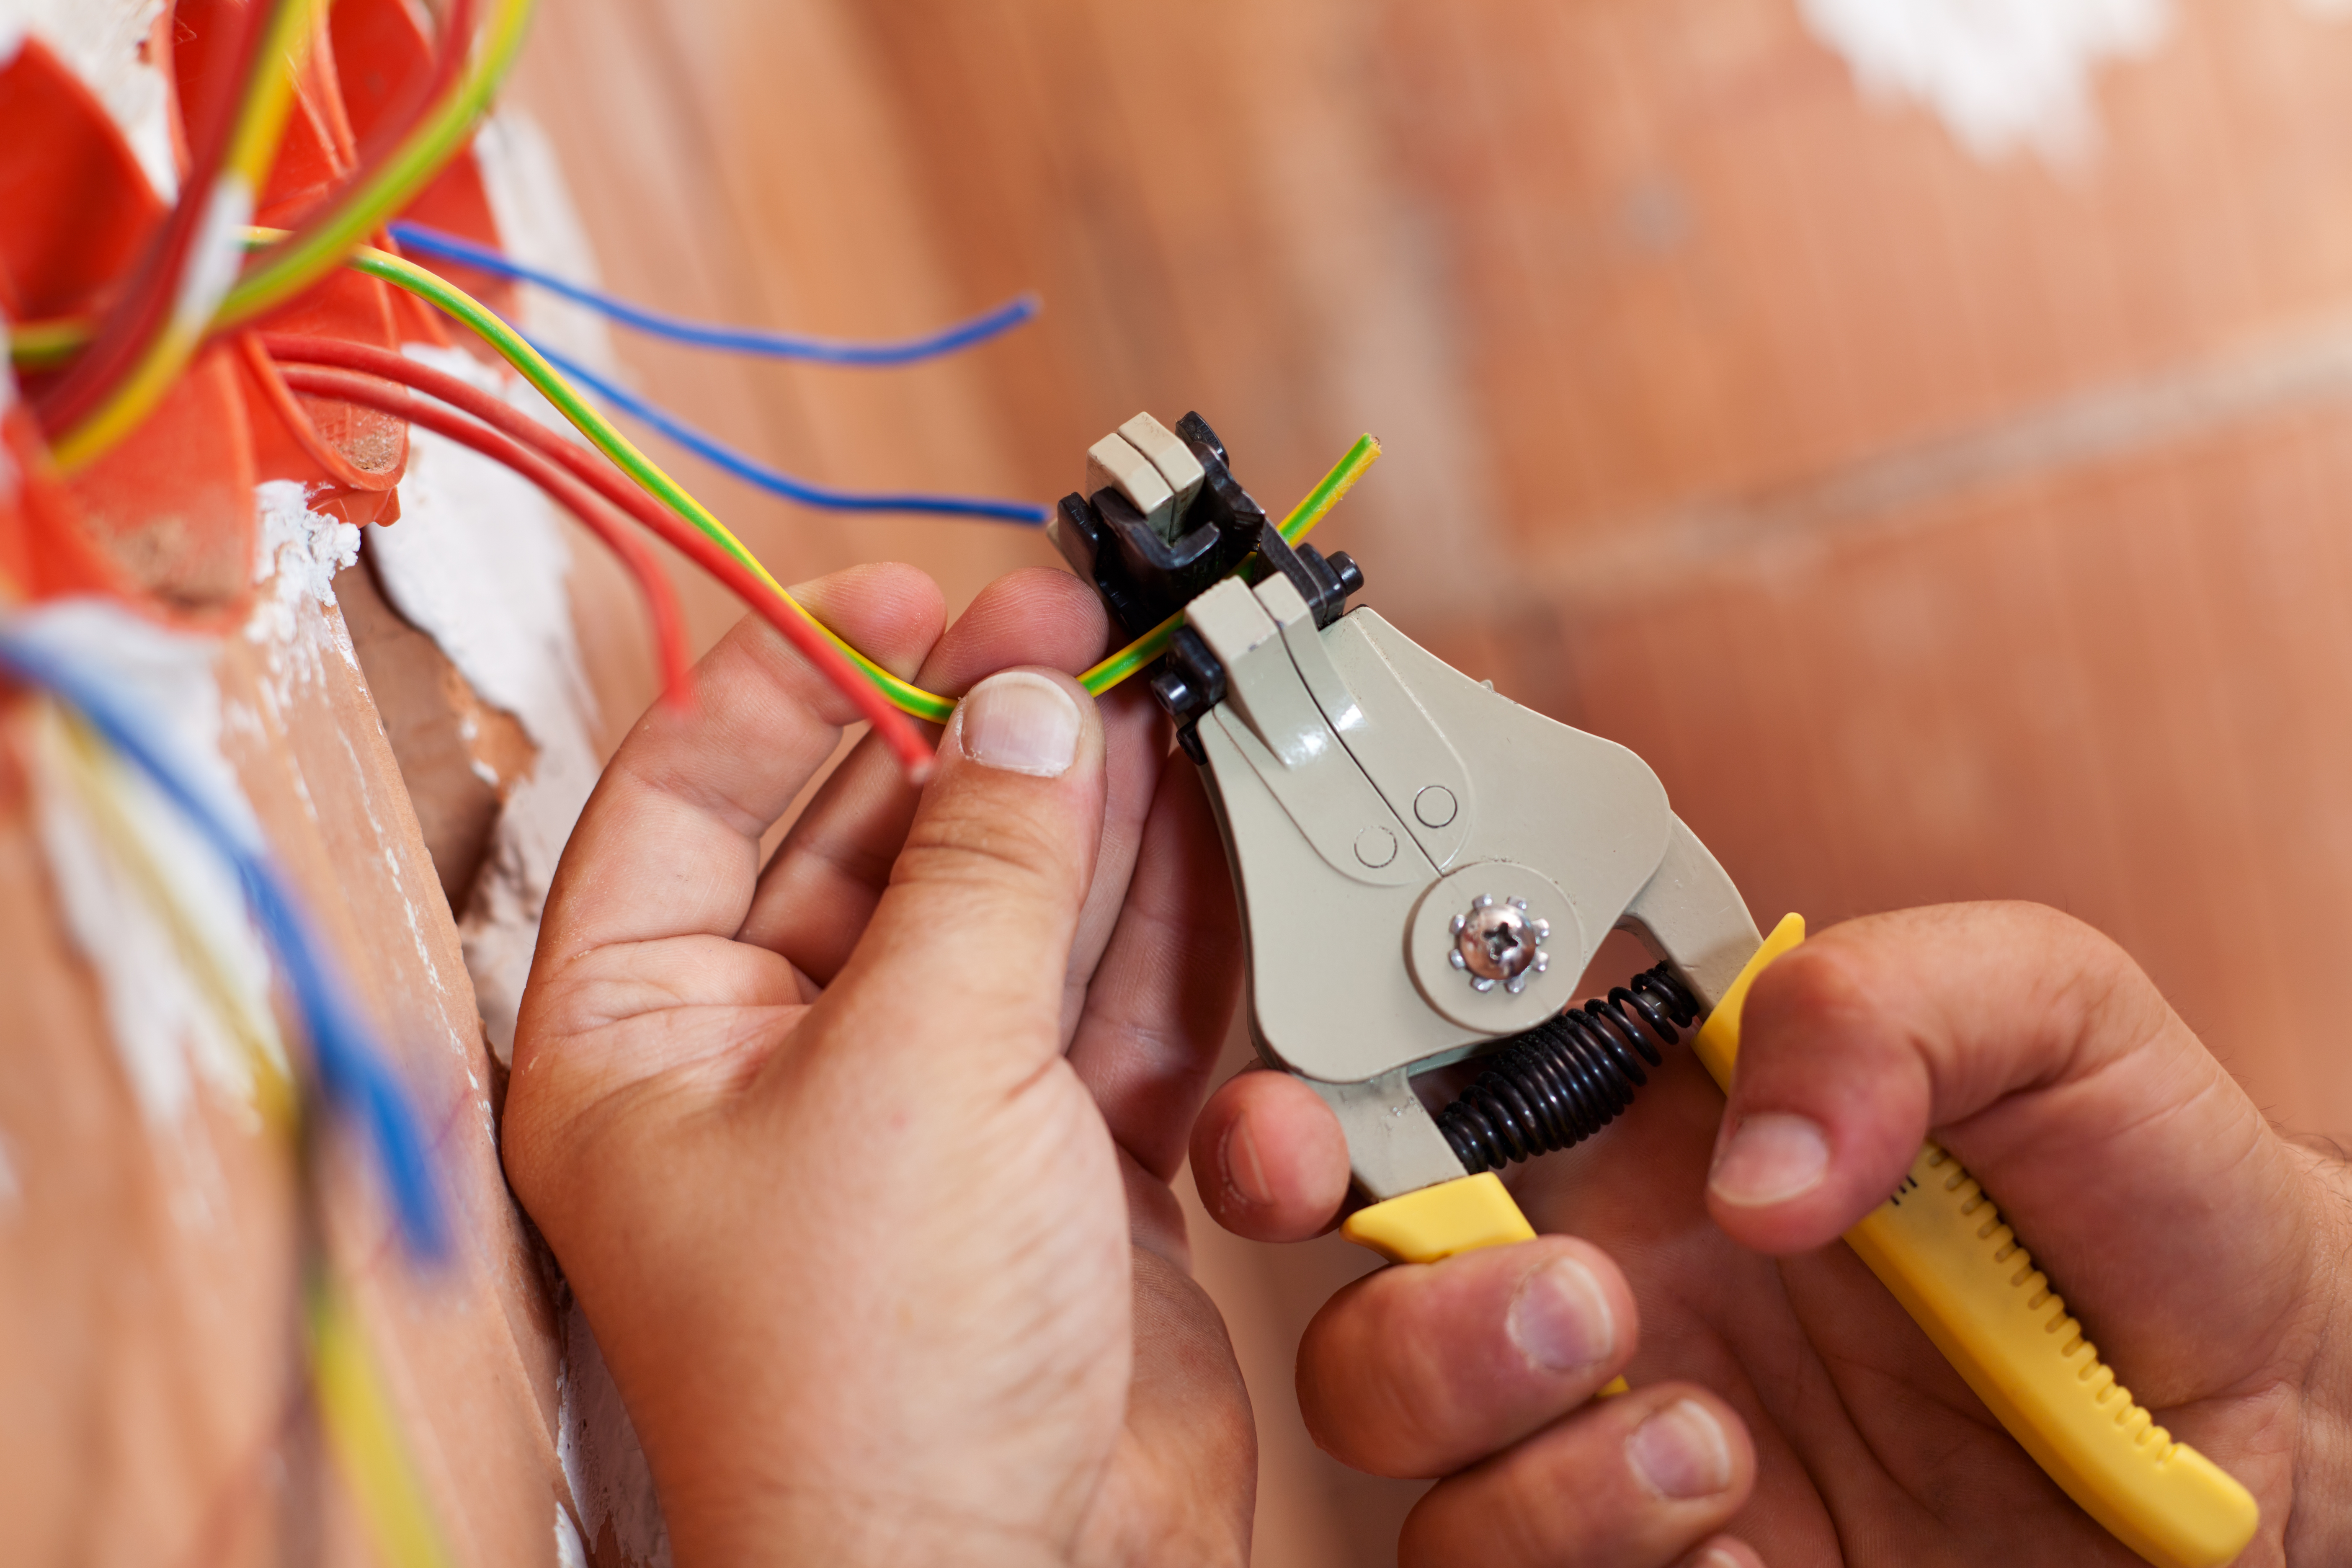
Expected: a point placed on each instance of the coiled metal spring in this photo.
(1569, 1077)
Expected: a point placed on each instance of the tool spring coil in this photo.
(1569, 1077)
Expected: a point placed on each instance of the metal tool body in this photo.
(1425, 869)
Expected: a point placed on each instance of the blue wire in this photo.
(742, 340)
(776, 481)
(358, 1079)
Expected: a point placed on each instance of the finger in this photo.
(1722, 1552)
(1269, 1158)
(1156, 1013)
(985, 898)
(1636, 1481)
(1186, 1493)
(1422, 1369)
(821, 885)
(2046, 1061)
(668, 843)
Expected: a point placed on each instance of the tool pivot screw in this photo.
(1497, 942)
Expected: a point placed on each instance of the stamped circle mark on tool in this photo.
(1376, 847)
(1435, 805)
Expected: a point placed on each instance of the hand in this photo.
(2204, 1251)
(858, 1164)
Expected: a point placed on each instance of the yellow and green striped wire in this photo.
(904, 695)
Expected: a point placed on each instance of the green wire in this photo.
(1303, 517)
(281, 273)
(601, 432)
(485, 322)
(903, 694)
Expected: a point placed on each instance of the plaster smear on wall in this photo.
(103, 42)
(297, 552)
(168, 1030)
(479, 562)
(2001, 74)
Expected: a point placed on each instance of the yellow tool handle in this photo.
(1941, 1246)
(1437, 1222)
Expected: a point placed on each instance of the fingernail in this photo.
(1559, 1319)
(1022, 723)
(1681, 1451)
(1245, 1172)
(1771, 1159)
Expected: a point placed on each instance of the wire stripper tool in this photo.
(1425, 869)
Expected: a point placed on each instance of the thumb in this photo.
(2040, 1055)
(974, 931)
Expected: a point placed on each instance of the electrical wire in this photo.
(287, 268)
(305, 429)
(775, 481)
(800, 629)
(355, 1408)
(452, 44)
(354, 1075)
(902, 695)
(212, 248)
(99, 788)
(416, 238)
(1296, 526)
(147, 297)
(531, 449)
(526, 360)
(668, 620)
(908, 697)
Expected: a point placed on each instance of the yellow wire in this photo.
(102, 787)
(354, 1406)
(648, 476)
(356, 1409)
(210, 267)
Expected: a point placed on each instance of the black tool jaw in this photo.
(1144, 578)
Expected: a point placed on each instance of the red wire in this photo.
(139, 313)
(653, 582)
(456, 39)
(896, 730)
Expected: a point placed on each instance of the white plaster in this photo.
(612, 1484)
(2001, 74)
(569, 1552)
(102, 41)
(539, 227)
(479, 562)
(164, 676)
(297, 552)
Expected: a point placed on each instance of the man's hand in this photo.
(1780, 1394)
(859, 1161)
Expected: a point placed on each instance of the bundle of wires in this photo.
(189, 286)
(286, 263)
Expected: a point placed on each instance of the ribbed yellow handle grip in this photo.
(1943, 1250)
